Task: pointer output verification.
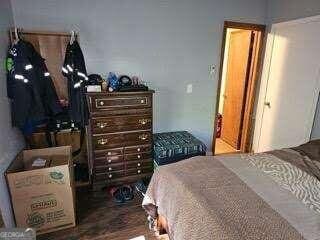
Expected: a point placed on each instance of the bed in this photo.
(272, 195)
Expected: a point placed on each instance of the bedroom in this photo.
(173, 47)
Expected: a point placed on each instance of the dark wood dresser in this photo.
(119, 137)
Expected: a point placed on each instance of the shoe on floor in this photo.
(117, 195)
(127, 193)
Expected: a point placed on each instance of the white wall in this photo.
(285, 10)
(169, 43)
(10, 140)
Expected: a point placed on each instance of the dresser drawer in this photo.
(139, 171)
(105, 141)
(109, 152)
(137, 157)
(109, 168)
(110, 156)
(139, 164)
(137, 149)
(121, 123)
(108, 176)
(103, 161)
(113, 102)
(138, 138)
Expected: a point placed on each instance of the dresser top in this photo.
(119, 93)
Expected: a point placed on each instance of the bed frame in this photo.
(161, 228)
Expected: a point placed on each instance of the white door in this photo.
(290, 85)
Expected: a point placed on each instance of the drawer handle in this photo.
(142, 101)
(109, 153)
(143, 136)
(101, 103)
(139, 171)
(144, 121)
(139, 164)
(102, 124)
(139, 156)
(102, 141)
(109, 161)
(110, 168)
(110, 175)
(138, 149)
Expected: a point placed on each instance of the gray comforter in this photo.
(234, 197)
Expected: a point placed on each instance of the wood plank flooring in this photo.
(100, 218)
(223, 147)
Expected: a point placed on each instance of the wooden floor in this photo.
(223, 147)
(100, 218)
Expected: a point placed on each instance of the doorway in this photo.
(239, 70)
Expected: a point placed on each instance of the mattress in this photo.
(273, 195)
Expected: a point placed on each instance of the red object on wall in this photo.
(219, 125)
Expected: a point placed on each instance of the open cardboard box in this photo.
(44, 198)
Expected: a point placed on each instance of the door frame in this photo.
(266, 72)
(251, 85)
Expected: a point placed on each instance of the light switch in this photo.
(189, 88)
(212, 69)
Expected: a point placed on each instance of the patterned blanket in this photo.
(234, 197)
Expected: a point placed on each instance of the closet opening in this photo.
(240, 66)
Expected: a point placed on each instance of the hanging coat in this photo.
(44, 83)
(29, 87)
(74, 69)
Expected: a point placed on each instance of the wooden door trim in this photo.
(245, 26)
(246, 138)
(248, 97)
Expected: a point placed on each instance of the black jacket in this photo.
(29, 86)
(74, 69)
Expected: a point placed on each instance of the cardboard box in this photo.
(43, 199)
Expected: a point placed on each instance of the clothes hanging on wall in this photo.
(74, 69)
(30, 87)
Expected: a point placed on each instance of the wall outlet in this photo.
(189, 88)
